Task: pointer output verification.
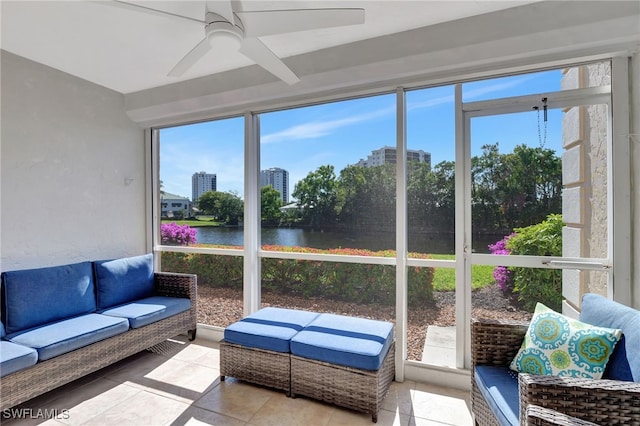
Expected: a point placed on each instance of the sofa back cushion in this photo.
(624, 363)
(124, 280)
(33, 297)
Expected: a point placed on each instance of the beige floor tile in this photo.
(440, 404)
(195, 416)
(92, 399)
(200, 352)
(283, 411)
(145, 409)
(175, 379)
(344, 417)
(398, 398)
(235, 399)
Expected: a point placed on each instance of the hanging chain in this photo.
(542, 138)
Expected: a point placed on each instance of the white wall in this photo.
(635, 176)
(66, 148)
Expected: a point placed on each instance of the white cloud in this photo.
(317, 129)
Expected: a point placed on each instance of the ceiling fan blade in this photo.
(150, 10)
(255, 50)
(222, 8)
(190, 58)
(267, 22)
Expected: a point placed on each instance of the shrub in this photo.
(533, 285)
(177, 235)
(351, 282)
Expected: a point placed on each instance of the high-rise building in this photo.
(202, 182)
(278, 179)
(387, 154)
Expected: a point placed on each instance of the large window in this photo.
(202, 165)
(501, 197)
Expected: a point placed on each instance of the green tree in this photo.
(270, 203)
(316, 195)
(226, 207)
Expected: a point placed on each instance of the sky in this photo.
(300, 140)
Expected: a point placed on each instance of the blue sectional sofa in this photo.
(501, 396)
(337, 359)
(60, 323)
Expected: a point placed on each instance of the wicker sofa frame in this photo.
(603, 402)
(47, 375)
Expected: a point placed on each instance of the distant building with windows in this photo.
(202, 182)
(278, 179)
(174, 206)
(388, 154)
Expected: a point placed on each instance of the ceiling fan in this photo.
(224, 22)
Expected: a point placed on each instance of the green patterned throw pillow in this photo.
(561, 346)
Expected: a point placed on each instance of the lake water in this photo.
(432, 243)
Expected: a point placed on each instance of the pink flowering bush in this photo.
(502, 274)
(173, 234)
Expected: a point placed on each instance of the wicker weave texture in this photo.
(47, 375)
(539, 416)
(253, 365)
(359, 390)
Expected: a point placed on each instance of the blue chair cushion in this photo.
(34, 297)
(15, 357)
(269, 328)
(149, 310)
(499, 387)
(65, 336)
(342, 340)
(624, 363)
(123, 280)
(2, 332)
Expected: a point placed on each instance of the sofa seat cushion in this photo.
(269, 328)
(15, 357)
(35, 297)
(65, 336)
(123, 280)
(149, 310)
(499, 387)
(342, 340)
(624, 363)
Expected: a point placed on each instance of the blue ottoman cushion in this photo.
(149, 310)
(123, 280)
(269, 328)
(61, 337)
(15, 357)
(35, 297)
(624, 363)
(499, 387)
(342, 340)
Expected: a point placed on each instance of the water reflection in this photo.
(432, 243)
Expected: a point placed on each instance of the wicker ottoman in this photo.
(344, 361)
(256, 349)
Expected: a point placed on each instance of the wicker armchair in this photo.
(604, 402)
(538, 416)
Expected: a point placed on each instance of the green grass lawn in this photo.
(195, 223)
(444, 279)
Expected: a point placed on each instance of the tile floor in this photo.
(179, 384)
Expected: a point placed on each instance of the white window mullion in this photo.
(251, 280)
(401, 234)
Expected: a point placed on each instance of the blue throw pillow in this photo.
(34, 297)
(557, 345)
(124, 280)
(625, 361)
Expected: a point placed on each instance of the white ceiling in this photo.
(128, 51)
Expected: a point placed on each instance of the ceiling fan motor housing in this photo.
(220, 29)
